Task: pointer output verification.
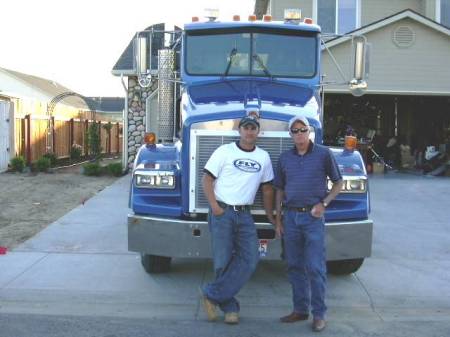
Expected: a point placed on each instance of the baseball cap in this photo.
(249, 120)
(301, 119)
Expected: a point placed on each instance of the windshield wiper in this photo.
(262, 65)
(231, 56)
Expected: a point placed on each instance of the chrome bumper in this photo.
(181, 238)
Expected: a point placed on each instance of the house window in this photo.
(337, 16)
(443, 12)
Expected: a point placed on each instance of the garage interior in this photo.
(399, 128)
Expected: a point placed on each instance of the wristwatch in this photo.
(324, 203)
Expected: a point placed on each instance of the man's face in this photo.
(299, 133)
(249, 133)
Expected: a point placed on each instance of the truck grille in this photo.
(205, 146)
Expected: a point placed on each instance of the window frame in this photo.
(438, 13)
(336, 16)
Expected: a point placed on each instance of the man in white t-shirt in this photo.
(232, 177)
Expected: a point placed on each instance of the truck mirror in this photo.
(361, 48)
(142, 54)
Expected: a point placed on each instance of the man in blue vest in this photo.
(301, 197)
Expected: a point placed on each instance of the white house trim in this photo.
(383, 23)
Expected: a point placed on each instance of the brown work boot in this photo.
(231, 318)
(209, 307)
(318, 325)
(294, 317)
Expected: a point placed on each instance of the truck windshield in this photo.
(253, 53)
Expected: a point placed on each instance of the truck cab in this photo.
(209, 76)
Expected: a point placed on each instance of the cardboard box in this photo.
(378, 168)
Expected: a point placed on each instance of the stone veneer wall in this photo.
(137, 97)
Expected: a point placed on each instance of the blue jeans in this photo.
(235, 255)
(304, 243)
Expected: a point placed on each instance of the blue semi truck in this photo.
(210, 74)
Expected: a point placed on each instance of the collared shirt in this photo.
(304, 177)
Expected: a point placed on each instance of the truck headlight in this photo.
(155, 179)
(357, 184)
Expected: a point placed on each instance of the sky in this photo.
(77, 43)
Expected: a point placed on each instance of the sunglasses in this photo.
(302, 130)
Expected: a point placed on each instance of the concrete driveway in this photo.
(76, 278)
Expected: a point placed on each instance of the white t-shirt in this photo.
(239, 173)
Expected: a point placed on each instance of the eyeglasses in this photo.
(302, 130)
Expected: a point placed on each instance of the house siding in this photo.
(372, 10)
(419, 69)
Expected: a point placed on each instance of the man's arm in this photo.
(267, 191)
(279, 196)
(208, 188)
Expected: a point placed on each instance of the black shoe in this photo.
(294, 317)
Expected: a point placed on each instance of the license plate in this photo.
(263, 247)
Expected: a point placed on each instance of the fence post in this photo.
(22, 136)
(52, 121)
(28, 138)
(71, 132)
(100, 135)
(86, 135)
(118, 137)
(109, 138)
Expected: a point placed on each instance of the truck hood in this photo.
(245, 91)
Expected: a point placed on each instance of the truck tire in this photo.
(344, 267)
(154, 264)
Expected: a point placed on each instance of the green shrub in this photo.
(92, 169)
(75, 152)
(94, 140)
(114, 169)
(42, 164)
(18, 163)
(52, 157)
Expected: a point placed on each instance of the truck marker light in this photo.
(350, 143)
(308, 21)
(252, 18)
(292, 14)
(150, 138)
(236, 18)
(267, 18)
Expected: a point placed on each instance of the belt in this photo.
(300, 209)
(236, 208)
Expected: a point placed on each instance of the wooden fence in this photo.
(33, 136)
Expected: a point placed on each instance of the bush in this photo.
(42, 164)
(75, 152)
(93, 136)
(114, 169)
(92, 169)
(52, 157)
(18, 163)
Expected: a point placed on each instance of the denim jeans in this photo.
(235, 256)
(304, 240)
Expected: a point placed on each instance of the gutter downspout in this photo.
(125, 129)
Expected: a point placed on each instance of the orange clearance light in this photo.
(308, 21)
(267, 18)
(350, 143)
(150, 138)
(236, 18)
(195, 19)
(252, 17)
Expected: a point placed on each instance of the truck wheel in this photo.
(344, 267)
(154, 264)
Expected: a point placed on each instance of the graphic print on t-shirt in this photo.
(247, 165)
